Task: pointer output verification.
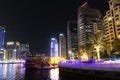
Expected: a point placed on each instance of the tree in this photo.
(83, 52)
(97, 42)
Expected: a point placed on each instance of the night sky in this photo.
(36, 21)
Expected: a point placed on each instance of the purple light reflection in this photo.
(78, 63)
(11, 72)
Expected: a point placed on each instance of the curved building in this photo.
(62, 45)
(54, 47)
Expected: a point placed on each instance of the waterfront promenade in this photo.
(104, 69)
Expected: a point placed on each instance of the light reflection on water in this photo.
(18, 72)
(11, 71)
(54, 74)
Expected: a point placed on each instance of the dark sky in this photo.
(36, 21)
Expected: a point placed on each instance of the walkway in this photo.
(106, 65)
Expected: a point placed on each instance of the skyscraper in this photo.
(24, 47)
(72, 38)
(2, 36)
(54, 47)
(62, 45)
(24, 50)
(13, 50)
(112, 22)
(89, 22)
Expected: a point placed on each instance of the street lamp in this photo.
(70, 54)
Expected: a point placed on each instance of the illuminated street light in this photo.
(70, 52)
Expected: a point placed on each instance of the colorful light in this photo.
(54, 47)
(12, 61)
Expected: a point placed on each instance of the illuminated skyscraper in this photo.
(54, 47)
(24, 47)
(12, 50)
(72, 38)
(2, 36)
(89, 22)
(24, 50)
(62, 45)
(112, 22)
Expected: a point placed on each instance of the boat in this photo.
(47, 67)
(38, 63)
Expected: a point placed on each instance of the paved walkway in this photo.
(107, 66)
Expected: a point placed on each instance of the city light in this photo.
(52, 38)
(10, 43)
(11, 61)
(117, 22)
(54, 47)
(110, 18)
(55, 60)
(61, 34)
(84, 4)
(14, 50)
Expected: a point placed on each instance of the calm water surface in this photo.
(18, 72)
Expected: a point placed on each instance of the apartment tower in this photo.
(112, 22)
(89, 22)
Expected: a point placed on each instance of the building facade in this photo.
(89, 22)
(54, 47)
(62, 45)
(2, 36)
(24, 50)
(112, 22)
(12, 50)
(72, 38)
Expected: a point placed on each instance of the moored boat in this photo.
(37, 63)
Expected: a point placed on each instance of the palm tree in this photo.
(96, 41)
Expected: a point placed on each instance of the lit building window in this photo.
(81, 27)
(117, 22)
(110, 18)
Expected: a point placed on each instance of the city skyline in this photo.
(36, 22)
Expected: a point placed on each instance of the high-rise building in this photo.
(2, 36)
(89, 22)
(24, 50)
(24, 47)
(62, 45)
(112, 22)
(54, 47)
(72, 38)
(12, 50)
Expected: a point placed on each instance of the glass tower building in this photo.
(54, 47)
(72, 38)
(62, 45)
(2, 36)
